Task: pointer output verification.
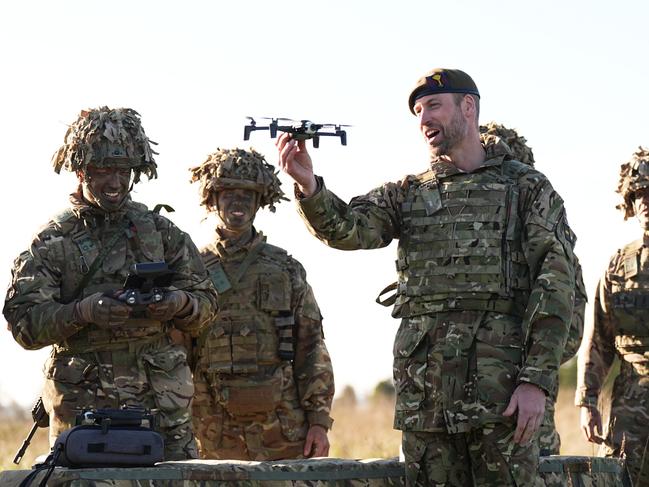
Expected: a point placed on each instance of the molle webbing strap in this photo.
(285, 326)
(631, 300)
(466, 240)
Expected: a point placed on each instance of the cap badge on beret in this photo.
(436, 80)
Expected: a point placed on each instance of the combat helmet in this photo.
(516, 143)
(634, 175)
(237, 168)
(107, 137)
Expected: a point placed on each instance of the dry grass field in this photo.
(360, 431)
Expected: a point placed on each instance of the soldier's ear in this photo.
(80, 176)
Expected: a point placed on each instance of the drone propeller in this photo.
(278, 119)
(335, 125)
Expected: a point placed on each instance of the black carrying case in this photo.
(116, 446)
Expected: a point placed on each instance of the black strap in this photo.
(48, 464)
(97, 262)
(161, 206)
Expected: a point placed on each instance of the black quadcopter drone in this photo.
(299, 129)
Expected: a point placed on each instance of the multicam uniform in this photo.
(101, 367)
(485, 294)
(621, 328)
(264, 374)
(549, 440)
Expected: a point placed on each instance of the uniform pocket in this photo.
(71, 385)
(244, 348)
(171, 381)
(498, 359)
(410, 363)
(289, 412)
(218, 349)
(70, 370)
(274, 292)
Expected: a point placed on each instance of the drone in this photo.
(299, 129)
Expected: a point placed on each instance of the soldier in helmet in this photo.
(264, 381)
(621, 328)
(485, 289)
(66, 288)
(549, 440)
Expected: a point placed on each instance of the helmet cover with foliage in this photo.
(516, 143)
(634, 175)
(107, 137)
(237, 168)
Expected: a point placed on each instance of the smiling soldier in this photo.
(485, 289)
(65, 288)
(264, 381)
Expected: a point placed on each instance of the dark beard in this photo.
(453, 135)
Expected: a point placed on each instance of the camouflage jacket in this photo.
(39, 305)
(268, 316)
(538, 267)
(576, 331)
(620, 328)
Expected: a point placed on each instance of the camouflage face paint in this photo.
(106, 187)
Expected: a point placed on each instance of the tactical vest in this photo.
(254, 325)
(75, 251)
(630, 308)
(460, 245)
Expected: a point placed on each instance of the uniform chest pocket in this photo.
(274, 292)
(231, 347)
(151, 245)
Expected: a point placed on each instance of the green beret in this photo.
(441, 80)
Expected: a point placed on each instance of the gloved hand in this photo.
(173, 304)
(102, 310)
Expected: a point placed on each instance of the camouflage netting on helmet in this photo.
(516, 143)
(237, 168)
(634, 175)
(103, 137)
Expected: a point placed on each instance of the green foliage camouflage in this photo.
(237, 168)
(105, 136)
(516, 143)
(634, 175)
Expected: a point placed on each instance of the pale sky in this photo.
(570, 76)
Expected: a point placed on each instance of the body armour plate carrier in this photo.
(254, 326)
(630, 308)
(460, 246)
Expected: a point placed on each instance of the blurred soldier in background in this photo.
(621, 328)
(549, 440)
(66, 288)
(264, 381)
(485, 291)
